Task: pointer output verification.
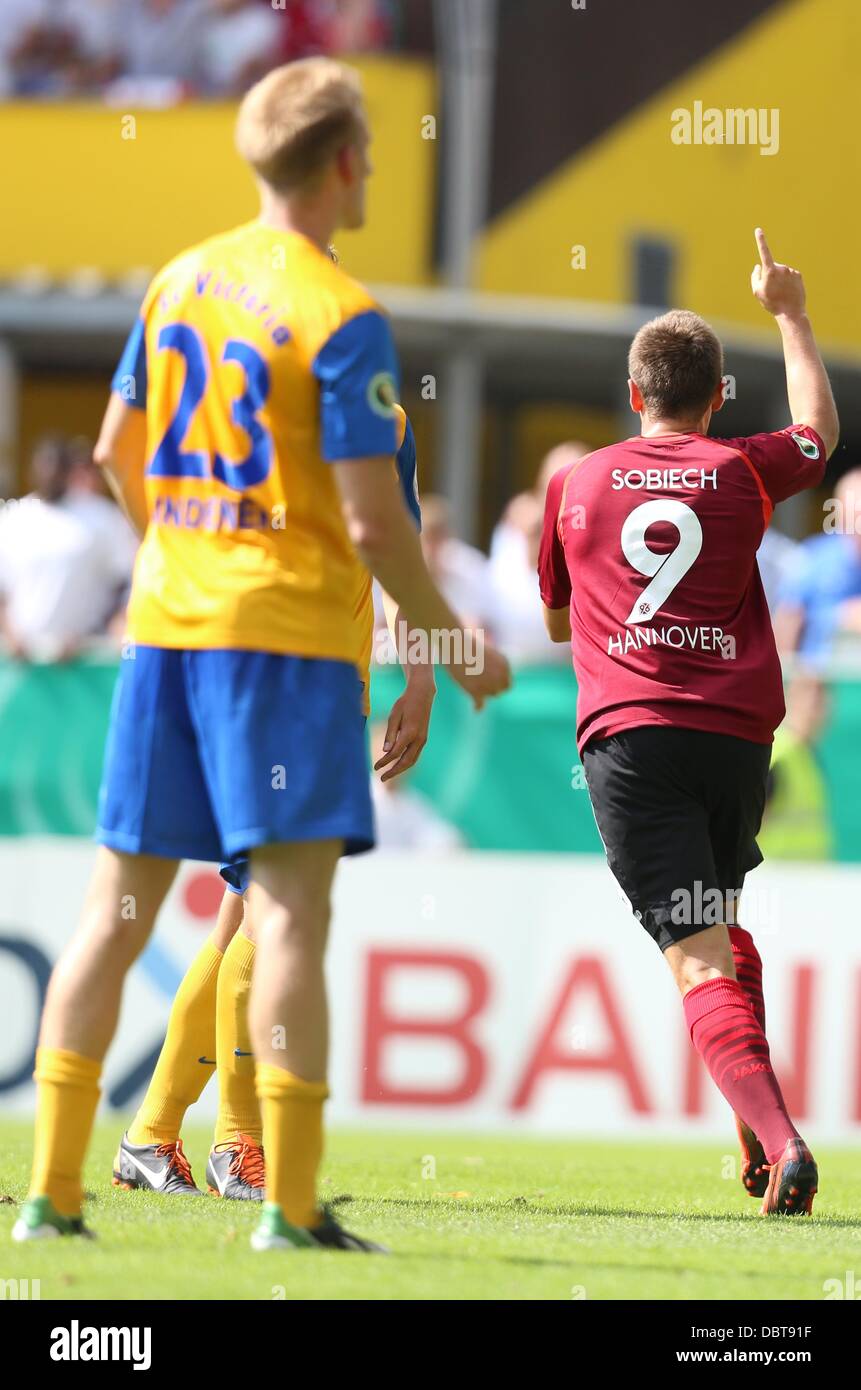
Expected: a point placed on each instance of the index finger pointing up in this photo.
(765, 256)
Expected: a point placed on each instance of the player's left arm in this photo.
(409, 718)
(780, 289)
(553, 577)
(120, 453)
(558, 623)
(410, 715)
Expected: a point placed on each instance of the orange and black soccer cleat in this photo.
(792, 1182)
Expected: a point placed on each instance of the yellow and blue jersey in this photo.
(258, 362)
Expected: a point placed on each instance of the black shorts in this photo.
(678, 811)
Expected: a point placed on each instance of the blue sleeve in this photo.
(799, 587)
(130, 377)
(357, 372)
(408, 474)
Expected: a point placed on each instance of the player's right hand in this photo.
(779, 288)
(488, 675)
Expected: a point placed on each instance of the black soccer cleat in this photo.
(793, 1182)
(276, 1233)
(330, 1236)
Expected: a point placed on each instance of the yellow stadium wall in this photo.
(705, 200)
(79, 193)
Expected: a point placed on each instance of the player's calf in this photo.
(726, 1032)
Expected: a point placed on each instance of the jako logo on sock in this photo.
(76, 1343)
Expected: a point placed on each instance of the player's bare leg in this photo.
(289, 909)
(78, 1023)
(705, 956)
(727, 1034)
(150, 1154)
(230, 918)
(82, 1006)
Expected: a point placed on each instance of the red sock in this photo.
(748, 970)
(726, 1034)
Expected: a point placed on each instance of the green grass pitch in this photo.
(465, 1218)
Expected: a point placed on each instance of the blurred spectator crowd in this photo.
(817, 614)
(163, 50)
(67, 555)
(67, 552)
(66, 558)
(496, 592)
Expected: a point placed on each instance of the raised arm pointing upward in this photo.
(780, 290)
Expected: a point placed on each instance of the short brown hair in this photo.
(297, 118)
(677, 362)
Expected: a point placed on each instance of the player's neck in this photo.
(651, 429)
(305, 218)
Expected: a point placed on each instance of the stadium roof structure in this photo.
(502, 348)
(577, 349)
(536, 348)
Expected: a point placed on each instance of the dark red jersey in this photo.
(652, 543)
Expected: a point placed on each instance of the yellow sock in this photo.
(180, 1075)
(238, 1107)
(293, 1136)
(67, 1093)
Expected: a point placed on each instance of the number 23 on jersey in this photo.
(170, 459)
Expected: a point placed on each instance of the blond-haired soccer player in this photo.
(262, 469)
(208, 1024)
